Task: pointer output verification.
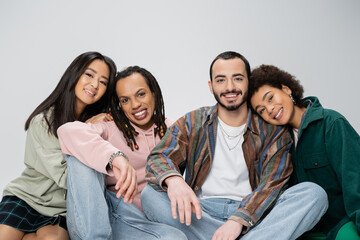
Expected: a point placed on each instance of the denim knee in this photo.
(314, 193)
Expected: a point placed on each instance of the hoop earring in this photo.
(292, 99)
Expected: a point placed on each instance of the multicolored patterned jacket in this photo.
(188, 147)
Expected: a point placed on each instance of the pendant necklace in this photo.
(231, 137)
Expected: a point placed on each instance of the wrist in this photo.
(173, 179)
(114, 155)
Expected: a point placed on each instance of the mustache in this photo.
(236, 92)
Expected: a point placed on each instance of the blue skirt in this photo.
(18, 214)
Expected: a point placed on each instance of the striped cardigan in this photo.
(189, 145)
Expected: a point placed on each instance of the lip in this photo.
(89, 92)
(230, 96)
(279, 114)
(140, 115)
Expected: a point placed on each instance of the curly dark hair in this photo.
(275, 77)
(120, 119)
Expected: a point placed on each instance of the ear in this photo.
(210, 86)
(286, 89)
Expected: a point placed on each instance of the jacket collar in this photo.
(314, 111)
(212, 113)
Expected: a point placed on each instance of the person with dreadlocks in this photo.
(106, 163)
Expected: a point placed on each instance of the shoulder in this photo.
(317, 111)
(332, 115)
(38, 122)
(197, 116)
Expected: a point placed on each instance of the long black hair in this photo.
(62, 99)
(122, 122)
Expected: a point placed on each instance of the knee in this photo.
(76, 167)
(315, 194)
(79, 173)
(72, 161)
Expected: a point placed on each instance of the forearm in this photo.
(164, 160)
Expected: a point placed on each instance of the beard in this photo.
(233, 107)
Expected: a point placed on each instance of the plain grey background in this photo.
(317, 41)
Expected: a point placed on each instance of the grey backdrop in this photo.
(317, 41)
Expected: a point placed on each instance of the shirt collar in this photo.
(212, 114)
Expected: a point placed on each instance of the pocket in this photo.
(318, 169)
(315, 160)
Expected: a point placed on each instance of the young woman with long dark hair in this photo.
(33, 205)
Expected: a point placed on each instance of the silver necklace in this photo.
(225, 134)
(228, 135)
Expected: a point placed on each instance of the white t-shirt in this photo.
(229, 175)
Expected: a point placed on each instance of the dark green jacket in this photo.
(328, 153)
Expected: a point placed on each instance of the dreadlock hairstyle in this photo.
(63, 98)
(120, 119)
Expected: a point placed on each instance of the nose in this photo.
(230, 85)
(269, 108)
(135, 104)
(95, 83)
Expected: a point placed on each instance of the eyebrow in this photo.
(96, 72)
(267, 93)
(135, 93)
(234, 75)
(238, 74)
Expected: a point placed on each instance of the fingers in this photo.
(181, 210)
(120, 181)
(134, 193)
(173, 208)
(102, 117)
(183, 199)
(108, 117)
(187, 206)
(129, 185)
(196, 208)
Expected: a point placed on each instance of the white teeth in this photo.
(140, 113)
(90, 92)
(277, 115)
(232, 95)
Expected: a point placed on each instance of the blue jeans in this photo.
(96, 213)
(296, 211)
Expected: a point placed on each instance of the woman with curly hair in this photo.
(326, 148)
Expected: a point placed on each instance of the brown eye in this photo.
(124, 100)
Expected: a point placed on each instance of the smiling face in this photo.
(274, 105)
(91, 85)
(136, 100)
(229, 83)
